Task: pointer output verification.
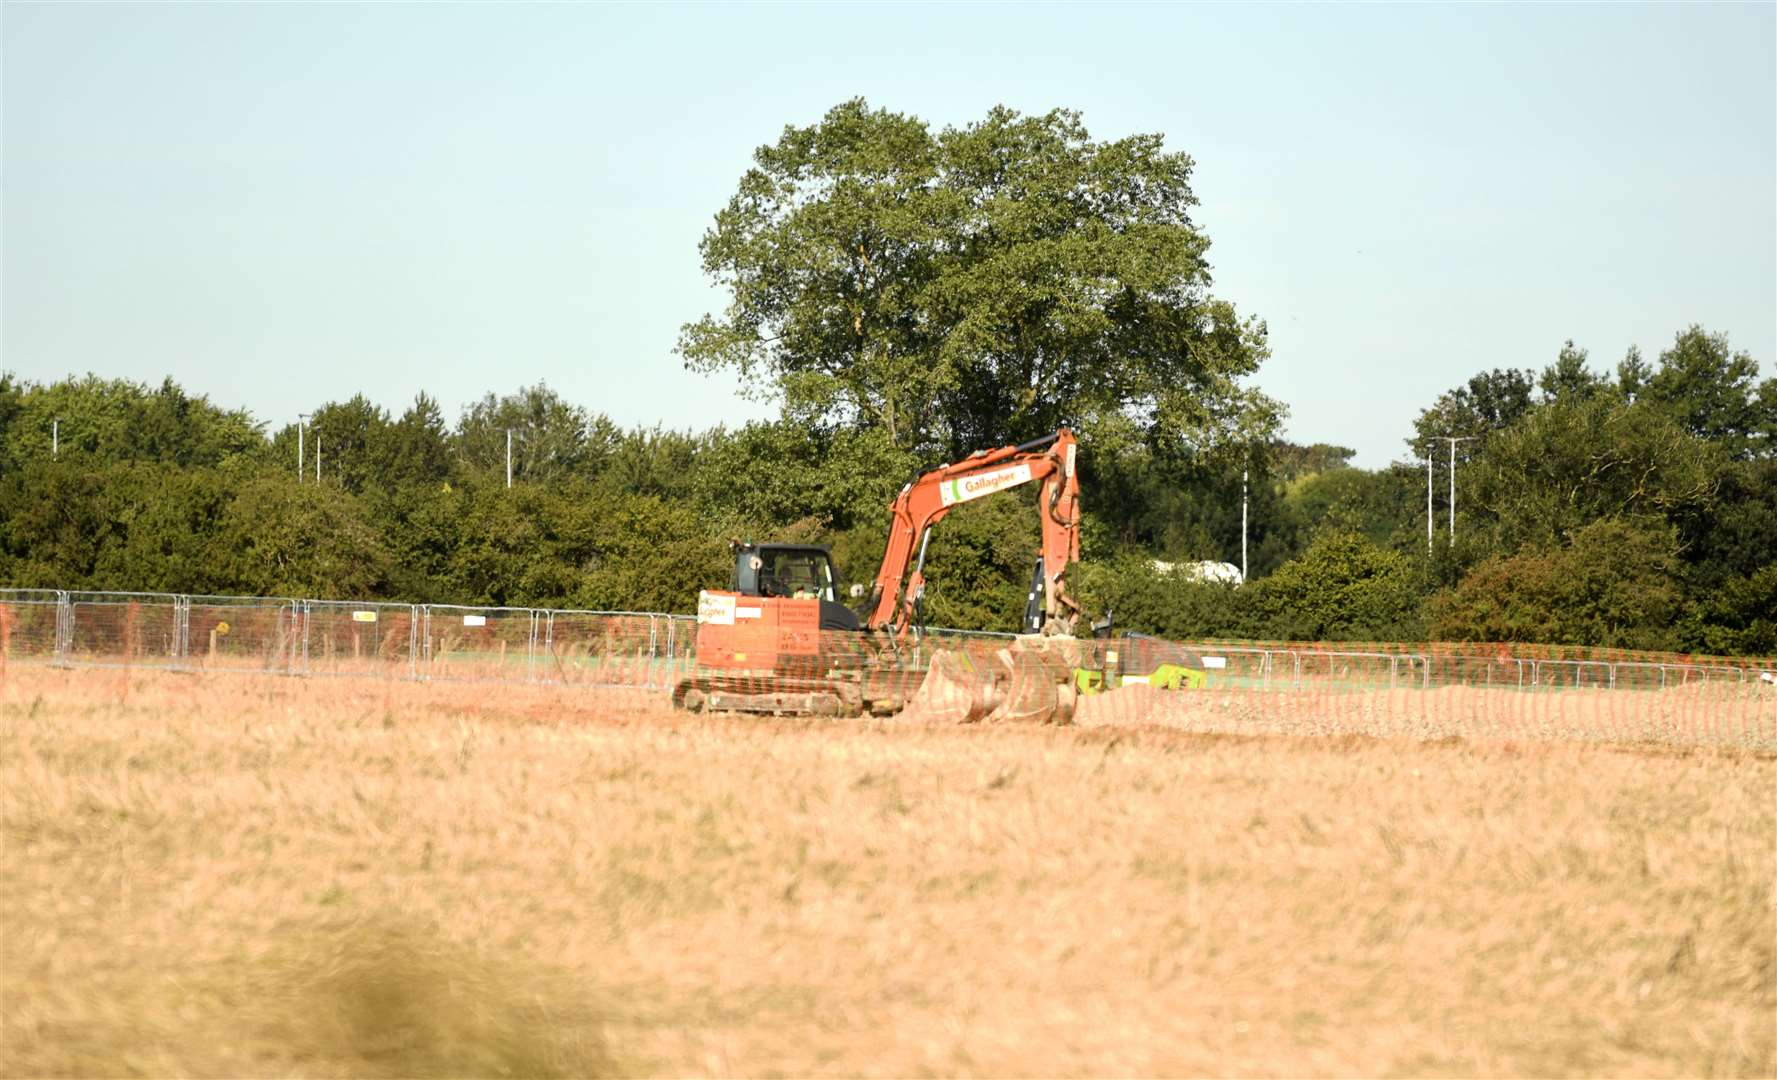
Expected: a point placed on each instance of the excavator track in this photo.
(845, 694)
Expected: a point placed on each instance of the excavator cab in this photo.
(793, 572)
(796, 571)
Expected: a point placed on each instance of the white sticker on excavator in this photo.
(964, 488)
(715, 609)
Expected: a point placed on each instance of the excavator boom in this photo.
(924, 502)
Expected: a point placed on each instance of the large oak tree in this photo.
(970, 286)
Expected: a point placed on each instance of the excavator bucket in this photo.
(1055, 679)
(959, 688)
(1025, 682)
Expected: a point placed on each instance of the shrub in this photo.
(1343, 588)
(1616, 583)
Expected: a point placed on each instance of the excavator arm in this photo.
(924, 502)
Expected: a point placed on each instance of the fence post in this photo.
(530, 648)
(64, 626)
(426, 658)
(549, 641)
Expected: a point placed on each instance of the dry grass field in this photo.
(244, 876)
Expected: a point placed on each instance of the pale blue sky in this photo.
(282, 205)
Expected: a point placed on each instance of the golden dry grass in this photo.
(233, 875)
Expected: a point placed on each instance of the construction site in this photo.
(887, 540)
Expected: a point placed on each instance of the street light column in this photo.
(1429, 454)
(1452, 440)
(1243, 475)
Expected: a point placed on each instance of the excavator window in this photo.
(801, 574)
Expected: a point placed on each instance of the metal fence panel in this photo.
(494, 644)
(610, 648)
(125, 629)
(1237, 666)
(1331, 670)
(1571, 674)
(343, 637)
(243, 633)
(31, 625)
(1497, 672)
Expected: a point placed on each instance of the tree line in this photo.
(905, 295)
(1638, 512)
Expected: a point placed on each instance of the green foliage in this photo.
(977, 285)
(1491, 401)
(1618, 582)
(649, 461)
(1737, 533)
(1739, 618)
(1569, 380)
(1714, 393)
(1344, 587)
(281, 538)
(653, 556)
(1380, 506)
(549, 437)
(978, 567)
(1292, 462)
(1638, 510)
(112, 420)
(771, 474)
(123, 525)
(1172, 605)
(1572, 462)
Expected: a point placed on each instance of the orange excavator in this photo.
(780, 642)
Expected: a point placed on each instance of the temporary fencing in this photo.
(370, 639)
(1420, 690)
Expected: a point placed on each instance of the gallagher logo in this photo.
(973, 487)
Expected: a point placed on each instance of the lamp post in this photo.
(301, 423)
(1428, 513)
(1243, 474)
(1453, 440)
